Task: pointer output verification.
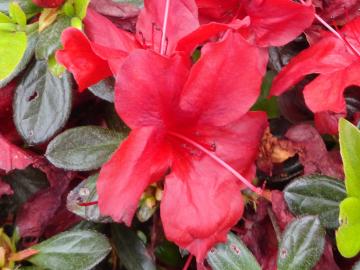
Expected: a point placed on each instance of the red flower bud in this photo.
(48, 3)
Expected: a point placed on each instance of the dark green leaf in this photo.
(72, 250)
(83, 148)
(29, 52)
(104, 89)
(168, 253)
(302, 244)
(49, 39)
(42, 103)
(233, 255)
(316, 195)
(25, 183)
(86, 192)
(130, 249)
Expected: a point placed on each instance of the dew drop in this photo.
(84, 192)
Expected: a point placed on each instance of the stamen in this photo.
(163, 36)
(212, 155)
(88, 203)
(188, 261)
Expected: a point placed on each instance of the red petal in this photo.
(183, 19)
(202, 201)
(148, 88)
(115, 38)
(217, 10)
(5, 188)
(141, 159)
(326, 56)
(199, 210)
(79, 58)
(13, 157)
(225, 82)
(277, 22)
(328, 122)
(326, 92)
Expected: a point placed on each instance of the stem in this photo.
(164, 28)
(219, 161)
(188, 261)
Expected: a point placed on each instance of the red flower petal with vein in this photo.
(79, 58)
(337, 66)
(182, 19)
(196, 123)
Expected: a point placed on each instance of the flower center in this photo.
(218, 160)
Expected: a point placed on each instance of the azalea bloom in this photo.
(190, 125)
(96, 56)
(335, 60)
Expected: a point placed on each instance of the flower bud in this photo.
(48, 3)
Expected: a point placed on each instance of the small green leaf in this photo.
(104, 89)
(77, 23)
(168, 253)
(86, 192)
(29, 53)
(83, 148)
(316, 195)
(12, 49)
(233, 255)
(68, 9)
(42, 104)
(4, 18)
(348, 234)
(81, 8)
(302, 244)
(49, 39)
(72, 250)
(130, 249)
(349, 137)
(17, 14)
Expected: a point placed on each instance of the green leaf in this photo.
(17, 14)
(83, 148)
(104, 89)
(316, 195)
(4, 18)
(264, 103)
(130, 249)
(168, 253)
(348, 234)
(349, 137)
(27, 56)
(12, 49)
(302, 244)
(42, 103)
(49, 39)
(86, 192)
(81, 8)
(233, 255)
(72, 250)
(25, 183)
(27, 6)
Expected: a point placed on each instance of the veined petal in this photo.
(183, 19)
(326, 92)
(113, 37)
(148, 88)
(79, 58)
(225, 82)
(326, 56)
(140, 160)
(277, 22)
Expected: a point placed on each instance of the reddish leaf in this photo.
(281, 211)
(13, 157)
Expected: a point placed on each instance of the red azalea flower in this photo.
(196, 123)
(101, 55)
(336, 60)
